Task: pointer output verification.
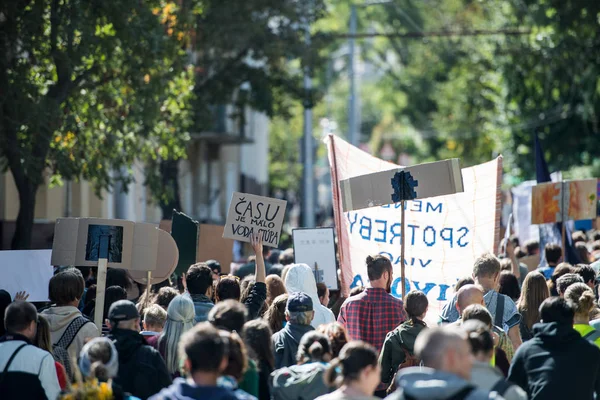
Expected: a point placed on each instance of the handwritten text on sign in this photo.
(249, 214)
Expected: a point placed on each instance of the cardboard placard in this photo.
(570, 200)
(316, 248)
(168, 256)
(372, 190)
(249, 213)
(213, 246)
(26, 270)
(532, 262)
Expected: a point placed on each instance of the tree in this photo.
(82, 90)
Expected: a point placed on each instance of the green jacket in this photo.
(392, 353)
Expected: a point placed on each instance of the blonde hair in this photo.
(582, 298)
(155, 315)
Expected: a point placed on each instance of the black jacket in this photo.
(256, 299)
(142, 371)
(557, 364)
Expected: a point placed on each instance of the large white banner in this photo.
(444, 235)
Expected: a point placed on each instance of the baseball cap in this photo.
(122, 310)
(299, 302)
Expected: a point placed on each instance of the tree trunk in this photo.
(169, 172)
(24, 228)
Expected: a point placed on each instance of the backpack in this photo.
(592, 336)
(410, 360)
(300, 382)
(60, 348)
(460, 395)
(501, 387)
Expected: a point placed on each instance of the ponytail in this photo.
(353, 359)
(333, 374)
(314, 347)
(99, 371)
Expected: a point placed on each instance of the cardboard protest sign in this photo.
(26, 270)
(376, 189)
(444, 235)
(249, 213)
(168, 256)
(316, 248)
(567, 200)
(213, 246)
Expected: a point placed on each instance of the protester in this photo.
(323, 293)
(305, 380)
(257, 338)
(215, 267)
(237, 367)
(205, 356)
(42, 340)
(254, 297)
(532, 247)
(583, 253)
(299, 314)
(337, 335)
(227, 288)
(462, 282)
(588, 274)
(553, 255)
(557, 363)
(300, 278)
(275, 287)
(27, 372)
(250, 267)
(486, 272)
(355, 373)
(198, 282)
(399, 345)
(165, 296)
(142, 371)
(5, 301)
(559, 271)
(582, 299)
(121, 277)
(508, 285)
(446, 371)
(275, 314)
(69, 329)
(111, 295)
(180, 319)
(535, 291)
(483, 374)
(154, 321)
(565, 281)
(355, 291)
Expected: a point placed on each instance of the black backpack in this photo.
(60, 348)
(460, 395)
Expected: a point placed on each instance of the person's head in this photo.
(323, 293)
(313, 347)
(275, 287)
(204, 353)
(588, 274)
(445, 349)
(42, 336)
(274, 256)
(199, 279)
(99, 359)
(123, 314)
(467, 295)
(579, 237)
(215, 267)
(21, 318)
(520, 253)
(486, 271)
(380, 272)
(565, 281)
(416, 305)
(479, 313)
(356, 290)
(337, 334)
(165, 296)
(582, 252)
(5, 300)
(286, 258)
(237, 361)
(532, 247)
(299, 309)
(509, 285)
(66, 288)
(480, 339)
(180, 319)
(118, 277)
(534, 292)
(462, 282)
(582, 298)
(356, 364)
(246, 286)
(557, 309)
(155, 318)
(275, 315)
(228, 288)
(90, 295)
(229, 315)
(257, 337)
(505, 264)
(113, 294)
(553, 253)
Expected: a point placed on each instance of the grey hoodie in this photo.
(485, 377)
(59, 319)
(428, 384)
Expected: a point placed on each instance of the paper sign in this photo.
(376, 189)
(577, 199)
(26, 270)
(317, 247)
(249, 214)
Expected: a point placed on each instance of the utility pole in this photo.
(308, 176)
(352, 109)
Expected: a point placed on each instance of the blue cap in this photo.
(299, 302)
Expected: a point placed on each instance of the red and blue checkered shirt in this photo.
(370, 315)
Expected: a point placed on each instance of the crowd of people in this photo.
(270, 331)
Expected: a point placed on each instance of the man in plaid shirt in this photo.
(369, 316)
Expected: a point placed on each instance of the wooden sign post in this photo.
(410, 183)
(101, 279)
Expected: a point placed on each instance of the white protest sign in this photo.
(26, 270)
(444, 235)
(249, 213)
(316, 248)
